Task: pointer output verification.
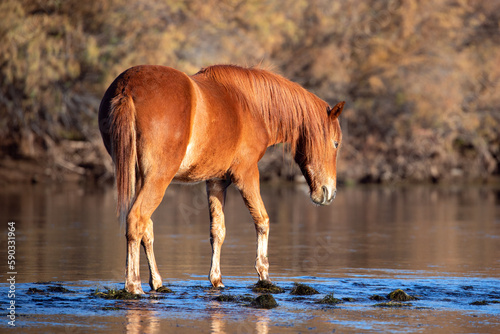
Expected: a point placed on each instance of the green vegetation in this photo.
(226, 298)
(265, 300)
(330, 300)
(399, 296)
(58, 288)
(35, 290)
(396, 299)
(420, 77)
(116, 294)
(164, 289)
(377, 297)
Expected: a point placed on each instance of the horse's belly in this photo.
(187, 175)
(194, 175)
(181, 179)
(196, 167)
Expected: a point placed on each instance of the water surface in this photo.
(439, 243)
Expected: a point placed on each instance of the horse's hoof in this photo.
(155, 285)
(217, 283)
(136, 290)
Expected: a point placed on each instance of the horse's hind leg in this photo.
(140, 230)
(216, 191)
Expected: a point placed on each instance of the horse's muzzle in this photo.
(328, 196)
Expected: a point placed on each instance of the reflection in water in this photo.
(219, 319)
(71, 233)
(262, 324)
(142, 321)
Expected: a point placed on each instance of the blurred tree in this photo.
(421, 77)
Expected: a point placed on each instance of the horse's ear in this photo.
(335, 112)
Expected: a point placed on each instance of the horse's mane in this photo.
(287, 109)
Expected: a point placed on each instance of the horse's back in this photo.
(192, 123)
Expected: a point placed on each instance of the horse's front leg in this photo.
(216, 192)
(249, 186)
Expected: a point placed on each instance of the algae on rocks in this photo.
(164, 289)
(266, 287)
(400, 296)
(58, 288)
(116, 294)
(377, 298)
(226, 298)
(330, 300)
(300, 289)
(266, 301)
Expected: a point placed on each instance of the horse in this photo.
(161, 125)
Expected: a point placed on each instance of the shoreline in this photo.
(45, 171)
(88, 162)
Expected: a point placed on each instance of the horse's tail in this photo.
(124, 152)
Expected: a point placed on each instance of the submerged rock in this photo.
(116, 294)
(246, 300)
(226, 298)
(377, 298)
(300, 289)
(330, 300)
(164, 289)
(479, 302)
(58, 288)
(400, 296)
(53, 288)
(35, 290)
(266, 287)
(266, 301)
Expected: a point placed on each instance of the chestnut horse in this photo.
(160, 125)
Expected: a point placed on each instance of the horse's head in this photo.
(319, 165)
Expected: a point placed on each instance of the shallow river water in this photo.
(439, 244)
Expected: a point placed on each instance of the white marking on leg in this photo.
(155, 280)
(262, 260)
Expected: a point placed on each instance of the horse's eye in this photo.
(336, 144)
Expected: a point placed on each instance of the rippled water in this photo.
(441, 244)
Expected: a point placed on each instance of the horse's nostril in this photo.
(325, 192)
